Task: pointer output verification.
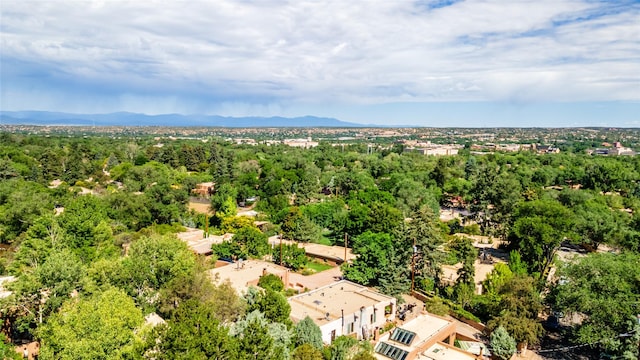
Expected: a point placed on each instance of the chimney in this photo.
(264, 271)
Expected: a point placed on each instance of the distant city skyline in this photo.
(440, 63)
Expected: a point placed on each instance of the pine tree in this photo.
(503, 346)
(307, 332)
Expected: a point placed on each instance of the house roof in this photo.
(425, 329)
(441, 351)
(244, 274)
(333, 299)
(198, 243)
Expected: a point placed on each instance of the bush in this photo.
(458, 311)
(271, 282)
(473, 229)
(435, 305)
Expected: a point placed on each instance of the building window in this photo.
(349, 328)
(388, 310)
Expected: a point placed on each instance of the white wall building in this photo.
(344, 308)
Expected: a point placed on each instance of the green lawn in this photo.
(317, 266)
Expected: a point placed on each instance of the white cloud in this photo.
(274, 53)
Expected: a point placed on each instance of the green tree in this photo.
(503, 346)
(271, 282)
(308, 333)
(467, 253)
(273, 305)
(540, 227)
(221, 162)
(166, 204)
(254, 341)
(21, 204)
(306, 352)
(495, 194)
(342, 348)
(293, 256)
(41, 239)
(516, 309)
(84, 232)
(228, 250)
(98, 327)
(411, 195)
(596, 223)
(423, 230)
(297, 226)
(373, 258)
(194, 332)
(604, 287)
(497, 278)
(41, 291)
(223, 201)
(8, 352)
(253, 242)
(132, 211)
(396, 279)
(154, 262)
(383, 218)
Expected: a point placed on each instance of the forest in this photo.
(88, 224)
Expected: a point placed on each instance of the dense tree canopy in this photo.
(87, 222)
(605, 289)
(99, 327)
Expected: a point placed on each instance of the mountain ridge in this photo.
(43, 118)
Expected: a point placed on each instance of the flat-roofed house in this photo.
(344, 308)
(428, 337)
(247, 273)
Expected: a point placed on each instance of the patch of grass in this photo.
(317, 266)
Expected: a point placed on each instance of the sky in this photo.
(474, 63)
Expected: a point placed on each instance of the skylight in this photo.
(391, 351)
(403, 336)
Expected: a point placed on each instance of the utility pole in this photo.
(345, 247)
(280, 249)
(206, 225)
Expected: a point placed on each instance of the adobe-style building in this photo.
(344, 308)
(247, 273)
(204, 190)
(427, 337)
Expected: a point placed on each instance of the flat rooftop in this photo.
(427, 329)
(244, 274)
(443, 352)
(333, 299)
(198, 243)
(426, 326)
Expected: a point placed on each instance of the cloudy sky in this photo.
(428, 62)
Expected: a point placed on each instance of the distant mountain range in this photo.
(133, 119)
